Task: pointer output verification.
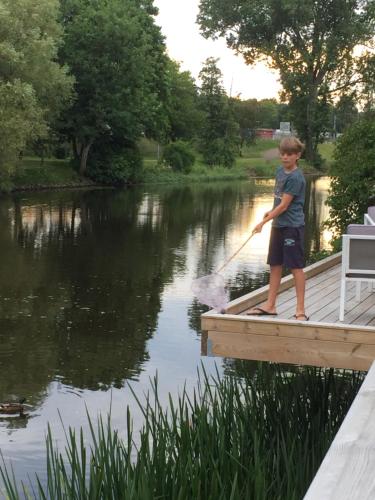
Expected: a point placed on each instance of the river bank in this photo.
(258, 160)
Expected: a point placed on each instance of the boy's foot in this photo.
(261, 311)
(301, 317)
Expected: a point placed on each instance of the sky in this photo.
(187, 46)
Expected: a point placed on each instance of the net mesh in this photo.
(210, 290)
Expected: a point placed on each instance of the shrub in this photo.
(116, 165)
(353, 176)
(220, 152)
(179, 156)
(62, 151)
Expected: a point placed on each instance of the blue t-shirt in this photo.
(292, 183)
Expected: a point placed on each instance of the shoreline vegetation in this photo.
(257, 160)
(262, 435)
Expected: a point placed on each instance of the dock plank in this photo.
(347, 471)
(313, 302)
(331, 308)
(353, 309)
(289, 296)
(290, 328)
(354, 356)
(241, 304)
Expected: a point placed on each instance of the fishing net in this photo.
(210, 290)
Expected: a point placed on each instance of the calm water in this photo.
(95, 292)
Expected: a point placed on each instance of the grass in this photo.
(260, 437)
(251, 164)
(31, 173)
(326, 150)
(260, 146)
(155, 173)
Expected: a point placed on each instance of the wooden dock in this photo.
(347, 471)
(322, 341)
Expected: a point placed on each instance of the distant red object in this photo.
(264, 133)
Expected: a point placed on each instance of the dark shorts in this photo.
(287, 247)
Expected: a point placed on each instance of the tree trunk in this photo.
(310, 116)
(84, 155)
(76, 149)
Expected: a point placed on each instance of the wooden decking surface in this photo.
(322, 301)
(322, 341)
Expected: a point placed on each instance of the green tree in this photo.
(268, 113)
(220, 133)
(246, 114)
(366, 96)
(353, 176)
(117, 55)
(345, 113)
(33, 86)
(185, 117)
(310, 119)
(251, 114)
(311, 44)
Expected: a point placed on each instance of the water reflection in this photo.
(95, 286)
(83, 274)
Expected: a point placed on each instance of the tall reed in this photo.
(262, 437)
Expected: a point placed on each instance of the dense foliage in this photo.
(33, 87)
(353, 181)
(179, 156)
(116, 54)
(87, 80)
(184, 114)
(219, 137)
(115, 162)
(310, 43)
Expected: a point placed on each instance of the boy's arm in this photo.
(286, 200)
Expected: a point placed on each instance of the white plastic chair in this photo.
(369, 217)
(369, 220)
(358, 260)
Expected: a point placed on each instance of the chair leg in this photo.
(358, 291)
(342, 300)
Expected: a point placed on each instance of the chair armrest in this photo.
(369, 218)
(361, 230)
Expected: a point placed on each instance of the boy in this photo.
(287, 233)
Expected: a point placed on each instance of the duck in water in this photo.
(13, 408)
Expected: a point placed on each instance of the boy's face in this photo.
(289, 160)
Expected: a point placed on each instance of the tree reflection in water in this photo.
(83, 273)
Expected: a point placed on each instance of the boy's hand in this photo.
(258, 228)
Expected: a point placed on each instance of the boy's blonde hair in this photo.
(291, 145)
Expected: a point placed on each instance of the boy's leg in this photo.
(275, 279)
(294, 259)
(270, 305)
(275, 260)
(299, 282)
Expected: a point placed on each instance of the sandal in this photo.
(301, 315)
(259, 311)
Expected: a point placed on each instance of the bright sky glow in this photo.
(187, 46)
